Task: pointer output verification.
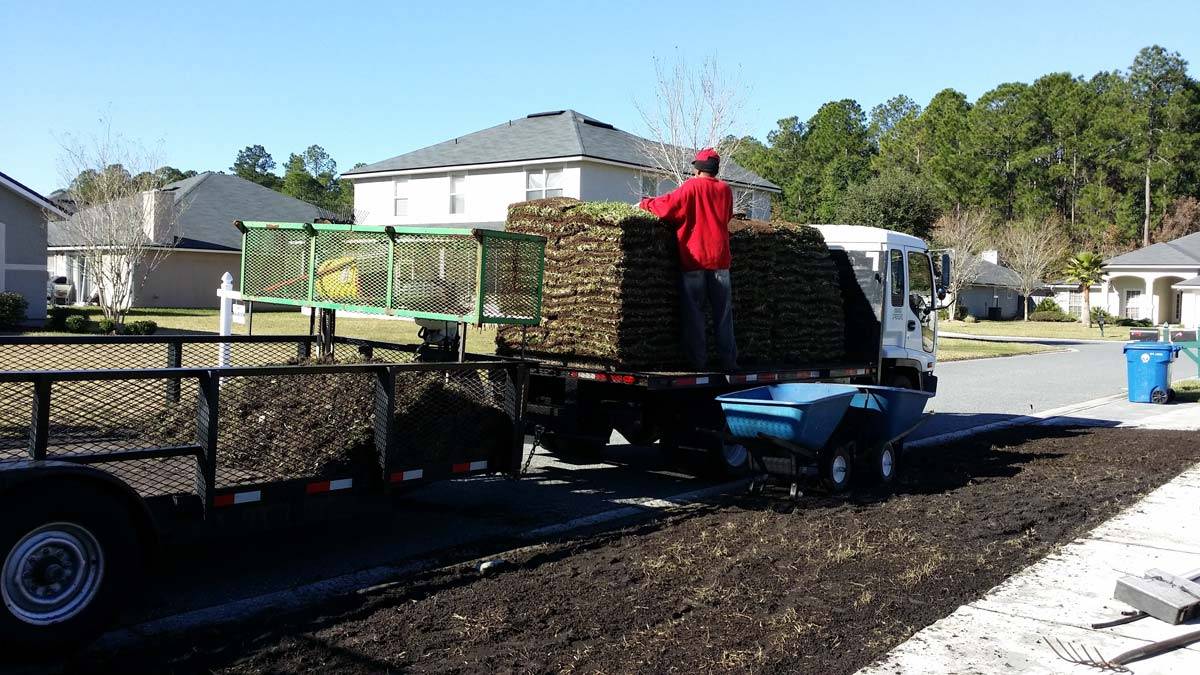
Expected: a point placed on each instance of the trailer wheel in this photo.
(885, 464)
(67, 560)
(836, 469)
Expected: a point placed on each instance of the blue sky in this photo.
(371, 80)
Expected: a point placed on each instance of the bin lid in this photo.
(1150, 347)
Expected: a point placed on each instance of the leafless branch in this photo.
(965, 234)
(693, 108)
(123, 227)
(1032, 249)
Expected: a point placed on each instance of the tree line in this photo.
(310, 176)
(1108, 162)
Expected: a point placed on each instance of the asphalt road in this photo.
(975, 392)
(491, 513)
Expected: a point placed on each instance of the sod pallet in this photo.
(611, 289)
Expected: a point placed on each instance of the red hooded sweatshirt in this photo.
(700, 210)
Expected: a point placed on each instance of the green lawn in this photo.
(951, 349)
(1187, 391)
(1035, 329)
(479, 340)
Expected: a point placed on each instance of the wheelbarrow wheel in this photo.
(885, 464)
(837, 468)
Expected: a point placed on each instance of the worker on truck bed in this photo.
(700, 210)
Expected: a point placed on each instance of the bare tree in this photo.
(124, 225)
(1031, 249)
(693, 108)
(965, 234)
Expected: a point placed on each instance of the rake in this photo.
(1091, 657)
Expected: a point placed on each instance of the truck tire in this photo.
(706, 455)
(902, 379)
(67, 558)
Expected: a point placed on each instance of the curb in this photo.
(1024, 339)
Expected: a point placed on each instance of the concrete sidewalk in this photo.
(1061, 595)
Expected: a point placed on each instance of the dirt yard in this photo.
(749, 584)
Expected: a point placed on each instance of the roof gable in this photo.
(991, 274)
(1183, 251)
(29, 194)
(558, 133)
(209, 204)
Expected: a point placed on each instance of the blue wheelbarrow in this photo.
(823, 431)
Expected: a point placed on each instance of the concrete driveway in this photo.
(972, 393)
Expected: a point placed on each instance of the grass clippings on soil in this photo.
(743, 585)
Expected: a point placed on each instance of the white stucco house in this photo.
(471, 180)
(1159, 283)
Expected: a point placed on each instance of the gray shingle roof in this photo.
(210, 203)
(1194, 282)
(991, 274)
(1182, 251)
(561, 133)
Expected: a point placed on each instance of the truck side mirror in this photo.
(945, 280)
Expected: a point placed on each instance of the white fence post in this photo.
(226, 318)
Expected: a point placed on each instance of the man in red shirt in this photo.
(700, 210)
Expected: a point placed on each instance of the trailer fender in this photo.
(38, 475)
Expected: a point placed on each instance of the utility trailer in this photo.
(890, 296)
(108, 444)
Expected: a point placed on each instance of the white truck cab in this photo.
(896, 274)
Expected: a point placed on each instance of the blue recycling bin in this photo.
(1148, 367)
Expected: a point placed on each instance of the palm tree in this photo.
(1086, 269)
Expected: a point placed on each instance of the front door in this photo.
(921, 302)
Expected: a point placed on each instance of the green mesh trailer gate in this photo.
(447, 274)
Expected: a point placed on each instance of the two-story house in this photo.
(471, 180)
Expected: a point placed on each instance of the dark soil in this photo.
(748, 584)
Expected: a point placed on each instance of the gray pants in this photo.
(715, 286)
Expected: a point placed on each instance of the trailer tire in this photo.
(884, 464)
(67, 558)
(837, 468)
(574, 448)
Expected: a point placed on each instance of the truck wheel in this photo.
(67, 559)
(587, 449)
(901, 380)
(836, 469)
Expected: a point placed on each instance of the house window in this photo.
(541, 183)
(742, 203)
(400, 197)
(1133, 304)
(458, 192)
(1075, 303)
(649, 186)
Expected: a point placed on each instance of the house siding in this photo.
(186, 279)
(23, 254)
(488, 193)
(978, 299)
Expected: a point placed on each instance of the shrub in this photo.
(141, 328)
(970, 319)
(57, 317)
(76, 324)
(1050, 316)
(106, 326)
(1098, 312)
(1135, 323)
(13, 307)
(1048, 305)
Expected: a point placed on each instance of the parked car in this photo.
(59, 291)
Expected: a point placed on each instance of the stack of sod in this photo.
(610, 293)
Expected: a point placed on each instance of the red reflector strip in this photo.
(411, 474)
(232, 498)
(329, 486)
(623, 379)
(461, 467)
